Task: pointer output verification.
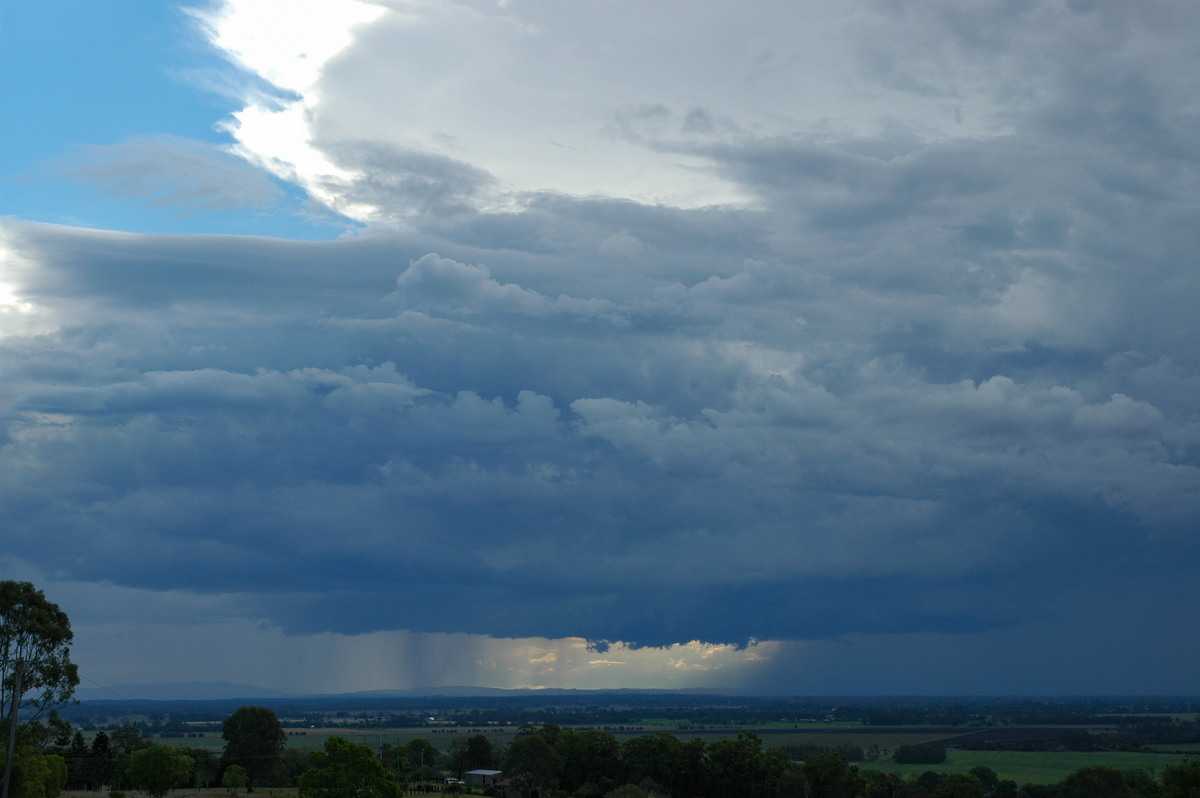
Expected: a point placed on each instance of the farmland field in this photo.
(1029, 767)
(772, 737)
(876, 742)
(1021, 766)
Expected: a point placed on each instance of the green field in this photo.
(1188, 748)
(1028, 767)
(1020, 766)
(314, 739)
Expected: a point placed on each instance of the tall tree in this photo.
(422, 758)
(532, 764)
(78, 758)
(36, 672)
(158, 768)
(255, 740)
(348, 770)
(102, 765)
(589, 757)
(474, 753)
(665, 760)
(830, 776)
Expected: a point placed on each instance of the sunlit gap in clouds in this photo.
(18, 316)
(176, 636)
(395, 660)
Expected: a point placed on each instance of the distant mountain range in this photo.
(219, 691)
(176, 691)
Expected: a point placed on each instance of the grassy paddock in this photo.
(441, 738)
(1187, 748)
(1034, 767)
(1021, 766)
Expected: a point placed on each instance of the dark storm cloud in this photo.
(927, 386)
(560, 464)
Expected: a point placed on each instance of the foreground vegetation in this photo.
(806, 760)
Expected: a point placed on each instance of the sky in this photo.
(783, 347)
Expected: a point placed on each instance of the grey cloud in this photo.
(406, 183)
(442, 283)
(168, 171)
(898, 396)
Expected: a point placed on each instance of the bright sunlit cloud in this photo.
(18, 315)
(622, 100)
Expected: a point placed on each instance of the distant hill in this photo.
(176, 691)
(223, 691)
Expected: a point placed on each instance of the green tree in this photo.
(1182, 780)
(1096, 781)
(347, 770)
(159, 768)
(1005, 788)
(739, 767)
(36, 672)
(205, 767)
(481, 754)
(474, 753)
(830, 776)
(37, 774)
(422, 758)
(293, 765)
(877, 784)
(665, 760)
(989, 778)
(125, 741)
(234, 778)
(102, 766)
(78, 759)
(35, 653)
(929, 781)
(255, 740)
(960, 785)
(532, 764)
(589, 757)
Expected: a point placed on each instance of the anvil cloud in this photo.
(777, 348)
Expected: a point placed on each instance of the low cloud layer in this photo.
(912, 382)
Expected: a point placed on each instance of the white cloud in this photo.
(619, 100)
(18, 315)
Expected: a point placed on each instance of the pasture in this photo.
(1034, 767)
(1023, 767)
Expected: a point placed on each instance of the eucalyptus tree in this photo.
(255, 740)
(36, 672)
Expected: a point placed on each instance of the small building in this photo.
(481, 778)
